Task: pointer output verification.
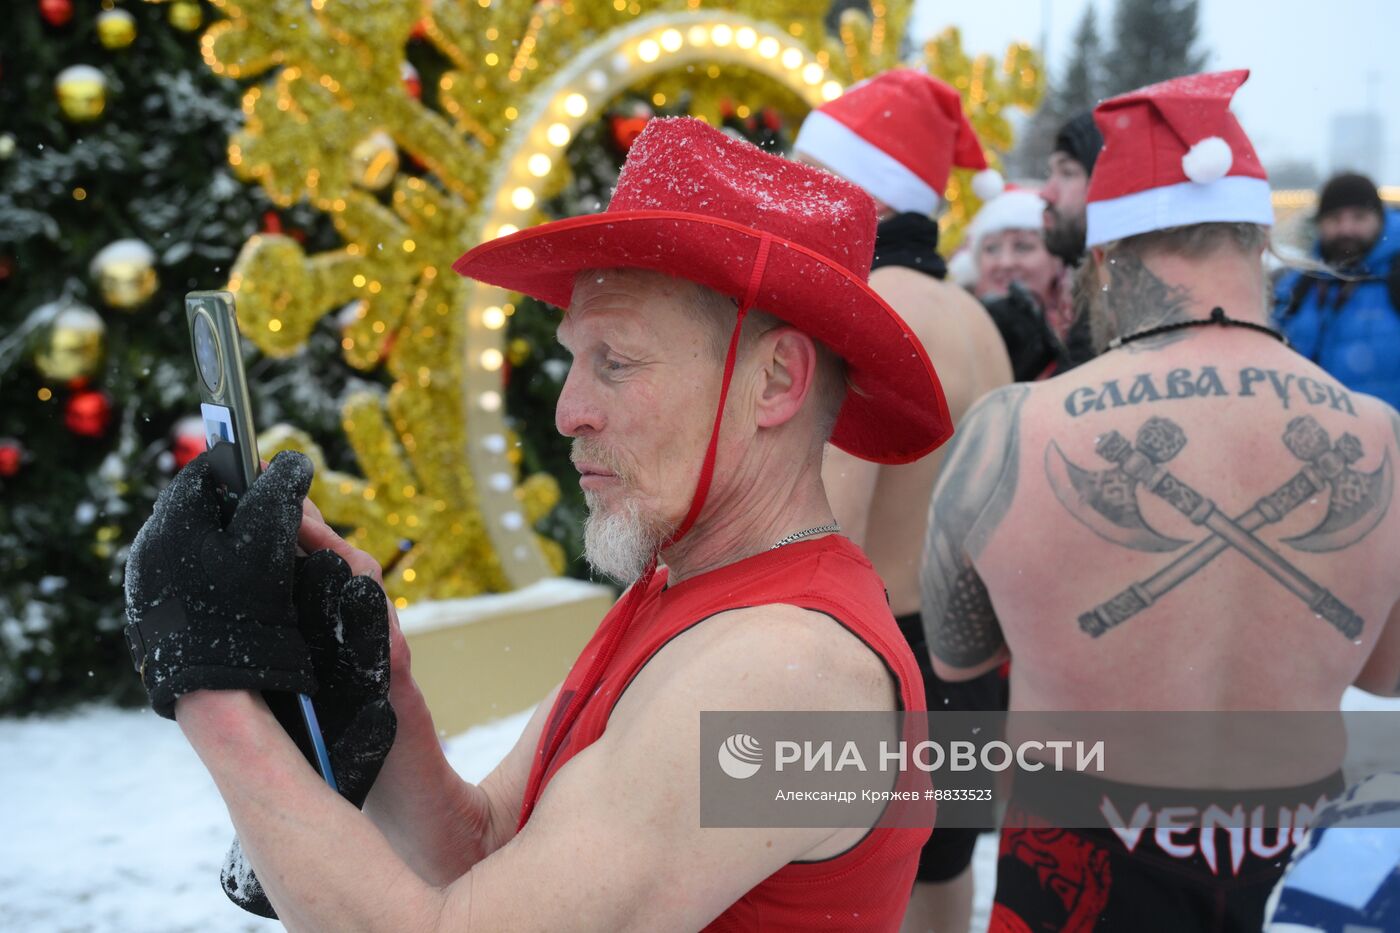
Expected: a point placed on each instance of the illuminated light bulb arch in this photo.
(550, 120)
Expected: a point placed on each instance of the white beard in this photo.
(619, 544)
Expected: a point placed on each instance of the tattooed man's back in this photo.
(1200, 518)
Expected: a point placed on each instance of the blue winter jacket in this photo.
(1351, 329)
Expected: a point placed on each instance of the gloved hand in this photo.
(345, 621)
(1030, 342)
(210, 607)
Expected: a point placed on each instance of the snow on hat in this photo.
(1013, 209)
(898, 135)
(1175, 155)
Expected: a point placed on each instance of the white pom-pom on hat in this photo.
(987, 184)
(1207, 161)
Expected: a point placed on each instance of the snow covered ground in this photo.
(109, 824)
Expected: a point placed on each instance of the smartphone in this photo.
(233, 447)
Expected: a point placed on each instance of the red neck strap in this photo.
(631, 602)
(707, 466)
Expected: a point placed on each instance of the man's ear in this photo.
(789, 367)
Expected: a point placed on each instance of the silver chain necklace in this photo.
(799, 535)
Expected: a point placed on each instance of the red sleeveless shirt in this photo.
(864, 888)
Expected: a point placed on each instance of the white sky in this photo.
(1308, 59)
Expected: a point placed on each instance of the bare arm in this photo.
(973, 494)
(615, 843)
(438, 823)
(1381, 673)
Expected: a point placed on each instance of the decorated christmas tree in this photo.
(115, 199)
(326, 162)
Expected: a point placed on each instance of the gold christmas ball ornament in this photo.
(376, 161)
(125, 273)
(116, 29)
(185, 15)
(519, 351)
(71, 340)
(82, 92)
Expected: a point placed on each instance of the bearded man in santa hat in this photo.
(1194, 520)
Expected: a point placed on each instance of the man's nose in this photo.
(1352, 227)
(577, 413)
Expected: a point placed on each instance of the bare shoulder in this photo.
(1379, 415)
(771, 657)
(924, 301)
(957, 332)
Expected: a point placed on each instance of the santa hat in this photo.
(1013, 209)
(898, 135)
(1175, 155)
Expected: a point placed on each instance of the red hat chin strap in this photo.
(631, 602)
(707, 467)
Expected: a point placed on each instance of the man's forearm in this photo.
(323, 865)
(438, 823)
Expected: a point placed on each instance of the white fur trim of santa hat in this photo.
(1232, 199)
(858, 160)
(962, 267)
(1208, 160)
(1010, 210)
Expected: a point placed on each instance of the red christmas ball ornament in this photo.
(188, 441)
(7, 268)
(772, 120)
(412, 83)
(88, 413)
(11, 457)
(56, 12)
(420, 30)
(625, 130)
(272, 223)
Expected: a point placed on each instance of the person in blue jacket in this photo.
(1348, 321)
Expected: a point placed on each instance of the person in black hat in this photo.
(1349, 322)
(1077, 147)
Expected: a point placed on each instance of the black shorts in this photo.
(948, 852)
(1053, 879)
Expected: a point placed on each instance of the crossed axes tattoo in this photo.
(1106, 501)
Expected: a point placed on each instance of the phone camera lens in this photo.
(206, 353)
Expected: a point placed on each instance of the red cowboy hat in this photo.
(795, 241)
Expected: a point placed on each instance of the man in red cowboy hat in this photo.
(1194, 520)
(722, 331)
(898, 136)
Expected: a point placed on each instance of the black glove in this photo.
(209, 607)
(1030, 342)
(345, 621)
